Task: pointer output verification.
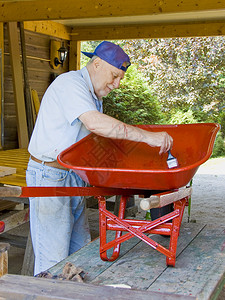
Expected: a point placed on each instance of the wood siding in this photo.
(40, 75)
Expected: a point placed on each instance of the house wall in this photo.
(40, 75)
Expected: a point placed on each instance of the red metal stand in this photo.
(139, 228)
(109, 221)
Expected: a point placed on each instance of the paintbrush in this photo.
(172, 161)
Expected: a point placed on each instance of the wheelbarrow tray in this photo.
(106, 162)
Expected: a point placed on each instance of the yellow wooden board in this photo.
(18, 159)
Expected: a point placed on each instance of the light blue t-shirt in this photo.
(57, 126)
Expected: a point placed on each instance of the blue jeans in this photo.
(58, 225)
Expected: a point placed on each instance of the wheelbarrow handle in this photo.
(52, 191)
(162, 199)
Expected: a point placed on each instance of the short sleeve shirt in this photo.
(58, 126)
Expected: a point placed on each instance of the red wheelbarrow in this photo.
(119, 167)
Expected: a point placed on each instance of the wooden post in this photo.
(1, 83)
(18, 85)
(74, 55)
(4, 247)
(27, 93)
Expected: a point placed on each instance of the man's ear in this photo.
(97, 63)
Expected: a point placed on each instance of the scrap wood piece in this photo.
(4, 171)
(7, 205)
(70, 272)
(15, 219)
(36, 101)
(4, 247)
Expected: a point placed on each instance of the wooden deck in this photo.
(16, 158)
(199, 271)
(15, 287)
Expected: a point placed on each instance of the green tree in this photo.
(184, 78)
(184, 73)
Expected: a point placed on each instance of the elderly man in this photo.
(70, 109)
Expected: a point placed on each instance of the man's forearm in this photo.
(107, 126)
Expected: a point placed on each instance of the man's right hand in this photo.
(160, 139)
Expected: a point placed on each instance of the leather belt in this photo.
(53, 164)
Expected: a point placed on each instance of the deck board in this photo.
(199, 268)
(142, 265)
(16, 158)
(15, 287)
(200, 264)
(88, 259)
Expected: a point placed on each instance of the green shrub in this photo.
(219, 146)
(222, 123)
(133, 102)
(180, 117)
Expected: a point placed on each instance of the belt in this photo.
(53, 164)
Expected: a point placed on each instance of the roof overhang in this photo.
(85, 19)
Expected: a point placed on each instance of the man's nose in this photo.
(116, 83)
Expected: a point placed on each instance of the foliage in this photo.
(184, 77)
(222, 123)
(219, 146)
(87, 47)
(184, 73)
(133, 102)
(180, 117)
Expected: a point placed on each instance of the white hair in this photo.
(92, 59)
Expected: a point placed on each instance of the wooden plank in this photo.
(50, 28)
(14, 240)
(79, 9)
(4, 171)
(18, 85)
(199, 270)
(137, 266)
(15, 219)
(89, 260)
(1, 83)
(14, 180)
(74, 55)
(12, 158)
(17, 200)
(200, 267)
(13, 286)
(4, 247)
(148, 31)
(28, 262)
(142, 265)
(4, 204)
(29, 114)
(16, 158)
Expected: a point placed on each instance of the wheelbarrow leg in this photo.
(176, 223)
(103, 228)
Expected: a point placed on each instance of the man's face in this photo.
(106, 78)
